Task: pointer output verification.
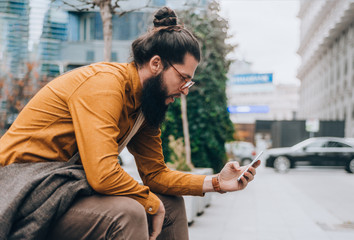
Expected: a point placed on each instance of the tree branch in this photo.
(85, 5)
(115, 5)
(131, 10)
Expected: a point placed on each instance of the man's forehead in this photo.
(188, 67)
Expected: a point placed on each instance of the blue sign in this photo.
(248, 109)
(251, 78)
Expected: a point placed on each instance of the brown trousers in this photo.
(114, 217)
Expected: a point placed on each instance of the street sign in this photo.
(251, 79)
(312, 125)
(248, 109)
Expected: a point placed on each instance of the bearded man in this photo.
(96, 111)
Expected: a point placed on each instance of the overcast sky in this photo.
(267, 33)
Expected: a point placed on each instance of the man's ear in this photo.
(155, 65)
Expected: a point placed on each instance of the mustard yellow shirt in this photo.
(92, 109)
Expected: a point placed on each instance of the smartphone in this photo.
(254, 160)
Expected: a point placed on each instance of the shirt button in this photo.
(150, 209)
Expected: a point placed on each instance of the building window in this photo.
(129, 26)
(90, 56)
(114, 57)
(3, 104)
(84, 29)
(51, 70)
(72, 66)
(121, 28)
(96, 26)
(159, 3)
(74, 27)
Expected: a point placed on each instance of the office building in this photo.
(14, 32)
(85, 33)
(327, 61)
(54, 32)
(85, 37)
(254, 96)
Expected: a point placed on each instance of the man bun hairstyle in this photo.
(165, 17)
(167, 39)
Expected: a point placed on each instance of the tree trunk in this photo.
(106, 12)
(187, 144)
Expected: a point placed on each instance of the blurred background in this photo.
(275, 76)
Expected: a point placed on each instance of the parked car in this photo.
(320, 151)
(240, 151)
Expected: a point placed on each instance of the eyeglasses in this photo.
(187, 83)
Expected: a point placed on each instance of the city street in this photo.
(304, 204)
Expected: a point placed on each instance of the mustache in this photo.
(178, 95)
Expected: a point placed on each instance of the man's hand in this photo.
(157, 221)
(231, 171)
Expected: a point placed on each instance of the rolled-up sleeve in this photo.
(95, 107)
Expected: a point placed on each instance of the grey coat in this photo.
(34, 195)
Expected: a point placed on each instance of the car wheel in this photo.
(282, 164)
(350, 166)
(246, 161)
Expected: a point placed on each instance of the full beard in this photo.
(153, 98)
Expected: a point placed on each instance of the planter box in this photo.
(195, 205)
(191, 204)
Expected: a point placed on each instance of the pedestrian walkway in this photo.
(274, 208)
(307, 204)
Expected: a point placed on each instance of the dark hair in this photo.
(167, 39)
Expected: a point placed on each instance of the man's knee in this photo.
(174, 205)
(133, 213)
(175, 224)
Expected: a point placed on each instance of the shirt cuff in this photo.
(196, 185)
(152, 204)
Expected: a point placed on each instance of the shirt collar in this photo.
(136, 84)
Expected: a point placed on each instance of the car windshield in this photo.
(313, 142)
(350, 141)
(303, 143)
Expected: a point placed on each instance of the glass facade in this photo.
(96, 29)
(74, 27)
(129, 26)
(61, 26)
(55, 31)
(14, 21)
(88, 26)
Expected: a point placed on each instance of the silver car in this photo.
(240, 151)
